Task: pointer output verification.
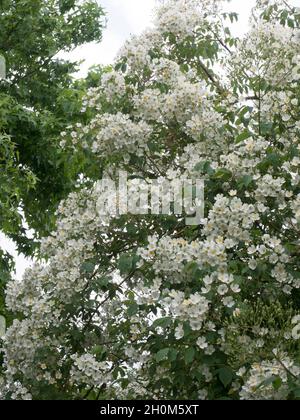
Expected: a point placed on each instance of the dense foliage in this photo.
(38, 98)
(144, 306)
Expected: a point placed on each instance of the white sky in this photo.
(125, 17)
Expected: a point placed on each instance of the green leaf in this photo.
(2, 326)
(277, 383)
(244, 111)
(132, 309)
(191, 268)
(162, 355)
(225, 376)
(266, 128)
(127, 263)
(97, 350)
(245, 181)
(88, 267)
(162, 322)
(2, 67)
(204, 167)
(296, 393)
(267, 382)
(223, 175)
(243, 136)
(103, 282)
(173, 353)
(189, 355)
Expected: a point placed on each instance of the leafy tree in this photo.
(38, 99)
(146, 306)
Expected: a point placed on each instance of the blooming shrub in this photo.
(144, 306)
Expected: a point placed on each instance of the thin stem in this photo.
(285, 368)
(211, 77)
(288, 6)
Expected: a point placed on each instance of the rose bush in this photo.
(144, 306)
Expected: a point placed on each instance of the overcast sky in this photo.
(126, 17)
